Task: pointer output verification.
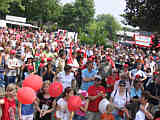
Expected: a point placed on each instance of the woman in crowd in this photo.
(45, 104)
(62, 112)
(120, 98)
(80, 114)
(67, 77)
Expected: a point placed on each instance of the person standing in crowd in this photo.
(45, 104)
(154, 90)
(12, 65)
(60, 61)
(136, 91)
(49, 71)
(25, 67)
(80, 114)
(110, 82)
(88, 76)
(72, 61)
(62, 112)
(67, 77)
(47, 53)
(96, 93)
(8, 103)
(108, 114)
(138, 71)
(142, 114)
(25, 111)
(2, 64)
(120, 98)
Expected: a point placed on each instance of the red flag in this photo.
(70, 61)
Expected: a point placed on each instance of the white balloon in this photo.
(102, 105)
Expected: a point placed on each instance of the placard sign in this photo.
(143, 40)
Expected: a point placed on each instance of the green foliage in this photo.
(67, 18)
(43, 10)
(98, 31)
(16, 9)
(110, 25)
(95, 34)
(143, 13)
(77, 15)
(5, 4)
(84, 12)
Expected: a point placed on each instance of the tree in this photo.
(16, 9)
(85, 11)
(96, 34)
(143, 13)
(42, 10)
(4, 5)
(67, 18)
(110, 25)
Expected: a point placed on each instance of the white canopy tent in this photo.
(3, 23)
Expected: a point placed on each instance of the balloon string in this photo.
(72, 114)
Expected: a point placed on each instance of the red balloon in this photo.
(55, 89)
(33, 81)
(26, 95)
(74, 103)
(158, 118)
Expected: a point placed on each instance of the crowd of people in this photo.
(120, 83)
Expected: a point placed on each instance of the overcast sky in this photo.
(114, 7)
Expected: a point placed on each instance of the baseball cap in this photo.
(98, 77)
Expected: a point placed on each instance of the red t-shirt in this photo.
(8, 109)
(111, 81)
(105, 116)
(93, 91)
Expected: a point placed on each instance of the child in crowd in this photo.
(108, 115)
(8, 103)
(81, 113)
(62, 112)
(25, 111)
(142, 114)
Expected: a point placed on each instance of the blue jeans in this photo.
(77, 117)
(2, 76)
(117, 116)
(11, 79)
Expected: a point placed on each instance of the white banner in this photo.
(143, 40)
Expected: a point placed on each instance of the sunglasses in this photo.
(122, 85)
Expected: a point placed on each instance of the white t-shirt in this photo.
(63, 113)
(140, 115)
(102, 105)
(120, 101)
(74, 64)
(12, 63)
(152, 66)
(65, 79)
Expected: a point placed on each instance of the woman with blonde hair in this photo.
(8, 103)
(45, 104)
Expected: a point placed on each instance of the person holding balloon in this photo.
(8, 103)
(80, 114)
(96, 93)
(62, 112)
(45, 104)
(25, 111)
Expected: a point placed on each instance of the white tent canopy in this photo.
(3, 23)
